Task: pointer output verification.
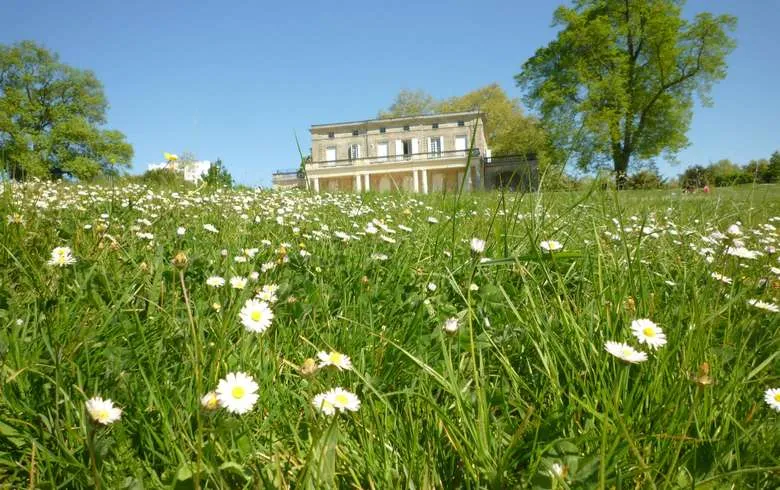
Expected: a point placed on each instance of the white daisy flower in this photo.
(647, 332)
(181, 231)
(431, 286)
(256, 315)
(720, 277)
(742, 252)
(323, 404)
(61, 256)
(344, 400)
(336, 399)
(772, 398)
(103, 411)
(450, 325)
(210, 227)
(550, 245)
(237, 392)
(764, 305)
(215, 282)
(209, 401)
(333, 358)
(477, 245)
(238, 282)
(625, 352)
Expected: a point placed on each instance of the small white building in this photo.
(192, 171)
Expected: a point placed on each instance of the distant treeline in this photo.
(719, 174)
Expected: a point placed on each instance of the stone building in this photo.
(427, 153)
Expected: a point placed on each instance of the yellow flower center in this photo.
(102, 415)
(649, 332)
(238, 392)
(335, 357)
(777, 397)
(342, 399)
(256, 315)
(627, 352)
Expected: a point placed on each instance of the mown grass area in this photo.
(521, 393)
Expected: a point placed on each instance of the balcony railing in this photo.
(434, 155)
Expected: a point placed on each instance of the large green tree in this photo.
(508, 130)
(617, 83)
(52, 117)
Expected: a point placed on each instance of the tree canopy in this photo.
(617, 83)
(507, 129)
(52, 117)
(410, 103)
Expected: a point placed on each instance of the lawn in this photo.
(381, 345)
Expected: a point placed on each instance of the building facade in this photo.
(427, 153)
(192, 171)
(288, 179)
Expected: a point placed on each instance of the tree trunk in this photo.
(620, 164)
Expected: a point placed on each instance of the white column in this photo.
(358, 178)
(416, 180)
(316, 184)
(425, 181)
(368, 182)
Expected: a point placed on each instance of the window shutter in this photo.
(441, 143)
(399, 148)
(430, 150)
(415, 146)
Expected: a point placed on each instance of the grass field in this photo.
(473, 368)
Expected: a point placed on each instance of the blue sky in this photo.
(238, 79)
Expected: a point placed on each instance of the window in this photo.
(406, 128)
(434, 146)
(331, 135)
(382, 130)
(355, 132)
(435, 126)
(381, 151)
(461, 123)
(330, 154)
(354, 151)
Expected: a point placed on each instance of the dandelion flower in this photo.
(772, 397)
(209, 401)
(764, 305)
(625, 352)
(334, 358)
(237, 392)
(61, 256)
(103, 411)
(647, 332)
(550, 245)
(256, 315)
(215, 282)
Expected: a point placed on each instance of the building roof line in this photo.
(396, 119)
